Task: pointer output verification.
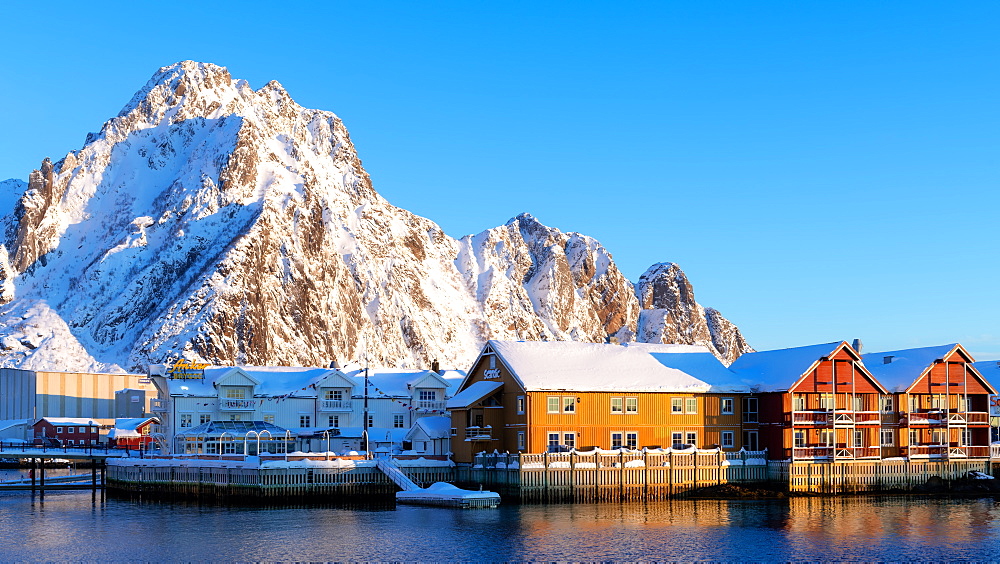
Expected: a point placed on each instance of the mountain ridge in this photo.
(219, 223)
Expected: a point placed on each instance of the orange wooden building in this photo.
(939, 406)
(815, 403)
(554, 396)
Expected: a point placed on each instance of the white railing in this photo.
(237, 404)
(157, 405)
(334, 405)
(479, 433)
(431, 404)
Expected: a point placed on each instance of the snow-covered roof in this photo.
(69, 421)
(131, 423)
(905, 365)
(475, 392)
(296, 381)
(235, 428)
(394, 382)
(434, 427)
(705, 366)
(274, 380)
(990, 369)
(9, 423)
(575, 366)
(779, 369)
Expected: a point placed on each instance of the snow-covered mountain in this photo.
(216, 222)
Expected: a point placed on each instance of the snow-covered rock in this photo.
(230, 225)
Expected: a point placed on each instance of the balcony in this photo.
(867, 418)
(963, 418)
(431, 404)
(811, 417)
(927, 451)
(858, 453)
(157, 405)
(935, 417)
(237, 404)
(479, 433)
(812, 453)
(334, 405)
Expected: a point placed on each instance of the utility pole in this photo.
(364, 432)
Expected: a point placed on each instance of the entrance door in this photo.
(750, 441)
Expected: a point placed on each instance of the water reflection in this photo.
(79, 526)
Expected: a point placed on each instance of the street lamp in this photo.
(220, 443)
(288, 438)
(259, 433)
(326, 434)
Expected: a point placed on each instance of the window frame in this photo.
(632, 440)
(521, 440)
(569, 440)
(520, 405)
(398, 421)
(569, 404)
(631, 406)
(305, 421)
(676, 439)
(676, 405)
(885, 434)
(722, 406)
(731, 443)
(553, 400)
(690, 436)
(691, 406)
(617, 405)
(620, 435)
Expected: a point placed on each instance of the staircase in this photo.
(389, 467)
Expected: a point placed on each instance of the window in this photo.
(886, 437)
(520, 405)
(728, 439)
(676, 440)
(749, 411)
(333, 421)
(553, 404)
(826, 437)
(616, 440)
(968, 403)
(677, 405)
(859, 403)
(145, 430)
(428, 395)
(937, 436)
(692, 438)
(826, 401)
(305, 421)
(631, 440)
(59, 429)
(750, 440)
(70, 441)
(569, 439)
(397, 421)
(236, 417)
(493, 362)
(632, 405)
(520, 441)
(966, 437)
(204, 418)
(887, 404)
(859, 437)
(235, 393)
(617, 405)
(800, 439)
(73, 429)
(938, 401)
(185, 420)
(798, 402)
(914, 437)
(691, 405)
(371, 420)
(569, 405)
(914, 403)
(553, 441)
(269, 418)
(726, 406)
(335, 395)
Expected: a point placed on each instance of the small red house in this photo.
(68, 431)
(132, 433)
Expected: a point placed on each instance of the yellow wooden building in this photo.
(555, 396)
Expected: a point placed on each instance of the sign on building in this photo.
(187, 370)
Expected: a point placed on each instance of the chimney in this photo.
(435, 366)
(857, 344)
(887, 359)
(334, 364)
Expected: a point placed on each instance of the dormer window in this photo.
(428, 395)
(335, 395)
(236, 393)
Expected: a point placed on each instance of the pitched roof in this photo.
(905, 366)
(566, 365)
(779, 369)
(434, 427)
(475, 392)
(70, 421)
(990, 369)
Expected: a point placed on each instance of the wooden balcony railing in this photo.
(334, 405)
(812, 417)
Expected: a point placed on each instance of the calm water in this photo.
(79, 526)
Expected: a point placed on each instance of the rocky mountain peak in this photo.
(215, 222)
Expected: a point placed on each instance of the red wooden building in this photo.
(132, 433)
(939, 407)
(814, 403)
(71, 431)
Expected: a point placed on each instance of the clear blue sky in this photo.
(821, 171)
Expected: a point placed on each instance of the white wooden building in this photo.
(313, 404)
